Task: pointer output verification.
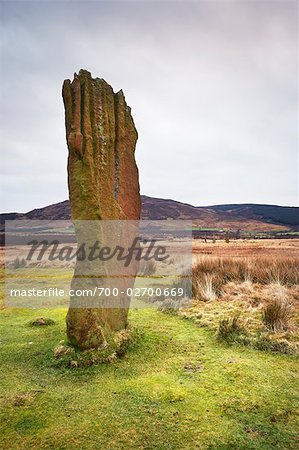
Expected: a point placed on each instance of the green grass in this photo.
(177, 388)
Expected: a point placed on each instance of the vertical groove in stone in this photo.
(116, 155)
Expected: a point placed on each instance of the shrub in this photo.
(276, 315)
(265, 343)
(147, 267)
(230, 329)
(168, 306)
(19, 263)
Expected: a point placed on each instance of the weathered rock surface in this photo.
(103, 185)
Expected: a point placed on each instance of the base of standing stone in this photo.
(69, 356)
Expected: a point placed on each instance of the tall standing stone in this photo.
(103, 183)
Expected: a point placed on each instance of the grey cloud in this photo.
(212, 86)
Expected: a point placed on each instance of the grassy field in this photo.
(176, 388)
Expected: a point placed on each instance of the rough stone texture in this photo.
(103, 184)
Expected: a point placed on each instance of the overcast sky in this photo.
(212, 86)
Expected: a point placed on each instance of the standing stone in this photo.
(103, 185)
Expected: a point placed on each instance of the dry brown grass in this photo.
(255, 248)
(247, 293)
(206, 288)
(261, 290)
(222, 270)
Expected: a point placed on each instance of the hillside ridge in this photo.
(246, 216)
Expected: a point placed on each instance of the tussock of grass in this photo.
(232, 331)
(41, 322)
(276, 315)
(206, 288)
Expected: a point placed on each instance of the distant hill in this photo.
(250, 217)
(286, 215)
